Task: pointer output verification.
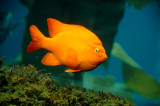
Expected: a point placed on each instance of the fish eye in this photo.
(96, 50)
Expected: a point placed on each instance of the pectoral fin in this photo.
(50, 60)
(73, 60)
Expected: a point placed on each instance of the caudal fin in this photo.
(37, 39)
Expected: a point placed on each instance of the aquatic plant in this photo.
(25, 85)
(134, 75)
(142, 83)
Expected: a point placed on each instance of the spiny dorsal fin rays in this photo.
(54, 27)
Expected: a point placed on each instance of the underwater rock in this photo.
(27, 86)
(106, 82)
(96, 83)
(122, 90)
(106, 85)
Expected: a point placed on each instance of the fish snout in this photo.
(105, 57)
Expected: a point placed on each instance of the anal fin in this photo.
(50, 60)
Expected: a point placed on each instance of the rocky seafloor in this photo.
(25, 85)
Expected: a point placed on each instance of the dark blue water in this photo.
(12, 46)
(138, 33)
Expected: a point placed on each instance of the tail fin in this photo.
(37, 39)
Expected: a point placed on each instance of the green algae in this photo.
(25, 85)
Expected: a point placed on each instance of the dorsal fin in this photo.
(54, 26)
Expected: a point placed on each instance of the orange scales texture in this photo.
(70, 45)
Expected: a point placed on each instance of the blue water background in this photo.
(138, 33)
(12, 46)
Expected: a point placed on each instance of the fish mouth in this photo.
(105, 57)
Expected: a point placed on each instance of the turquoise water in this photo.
(137, 33)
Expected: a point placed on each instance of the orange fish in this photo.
(73, 46)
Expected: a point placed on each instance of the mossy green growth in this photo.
(24, 85)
